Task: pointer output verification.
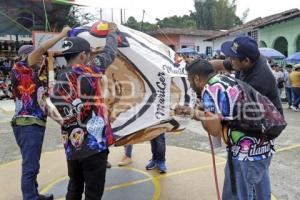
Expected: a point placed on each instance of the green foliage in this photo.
(78, 16)
(132, 23)
(147, 27)
(209, 15)
(216, 14)
(168, 22)
(176, 22)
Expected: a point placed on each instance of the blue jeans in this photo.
(296, 92)
(158, 148)
(289, 95)
(30, 140)
(128, 150)
(251, 179)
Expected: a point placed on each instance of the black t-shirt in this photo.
(261, 78)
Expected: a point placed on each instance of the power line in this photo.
(162, 32)
(14, 21)
(47, 25)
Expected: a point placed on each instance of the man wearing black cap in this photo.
(86, 129)
(29, 120)
(252, 68)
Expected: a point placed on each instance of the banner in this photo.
(144, 83)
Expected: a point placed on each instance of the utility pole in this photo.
(142, 25)
(125, 21)
(112, 15)
(121, 16)
(101, 14)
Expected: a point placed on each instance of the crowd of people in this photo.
(288, 83)
(6, 65)
(86, 129)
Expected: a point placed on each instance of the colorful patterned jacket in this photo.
(29, 87)
(77, 96)
(221, 95)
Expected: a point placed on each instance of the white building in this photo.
(178, 38)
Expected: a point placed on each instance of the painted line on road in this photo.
(52, 183)
(154, 180)
(288, 148)
(273, 197)
(187, 170)
(6, 112)
(20, 160)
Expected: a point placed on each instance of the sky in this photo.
(164, 8)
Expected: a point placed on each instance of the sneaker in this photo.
(108, 165)
(162, 167)
(46, 197)
(294, 108)
(151, 165)
(125, 161)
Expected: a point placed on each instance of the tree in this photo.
(209, 15)
(148, 27)
(216, 14)
(132, 23)
(204, 15)
(78, 16)
(177, 22)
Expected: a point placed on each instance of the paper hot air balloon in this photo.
(144, 83)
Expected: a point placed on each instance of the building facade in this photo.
(283, 36)
(186, 38)
(280, 31)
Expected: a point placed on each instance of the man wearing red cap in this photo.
(29, 120)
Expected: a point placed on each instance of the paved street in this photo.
(285, 174)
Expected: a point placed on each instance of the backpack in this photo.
(256, 115)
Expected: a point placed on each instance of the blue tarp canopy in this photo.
(271, 53)
(294, 58)
(186, 51)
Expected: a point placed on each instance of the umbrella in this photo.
(186, 51)
(271, 53)
(294, 58)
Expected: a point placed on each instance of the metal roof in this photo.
(182, 31)
(259, 23)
